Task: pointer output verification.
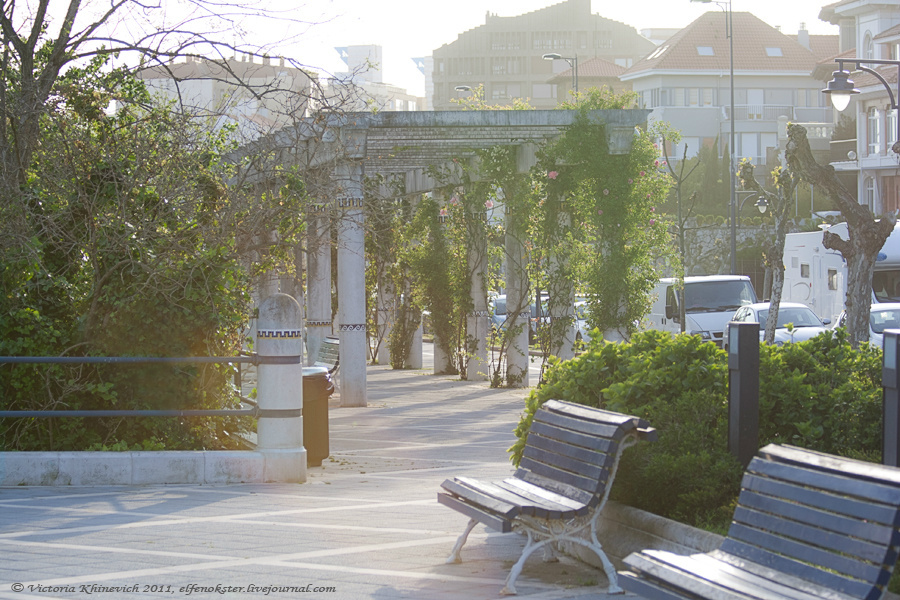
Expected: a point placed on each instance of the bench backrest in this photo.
(329, 354)
(573, 450)
(826, 519)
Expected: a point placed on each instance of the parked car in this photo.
(582, 330)
(882, 315)
(805, 324)
(498, 309)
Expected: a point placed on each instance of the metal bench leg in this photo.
(460, 542)
(551, 552)
(510, 588)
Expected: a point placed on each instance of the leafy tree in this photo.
(132, 244)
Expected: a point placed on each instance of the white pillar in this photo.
(414, 357)
(351, 274)
(386, 307)
(442, 363)
(318, 293)
(280, 388)
(518, 302)
(562, 297)
(478, 322)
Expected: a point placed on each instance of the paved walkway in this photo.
(365, 525)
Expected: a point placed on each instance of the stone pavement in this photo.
(365, 525)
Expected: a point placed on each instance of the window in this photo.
(832, 279)
(804, 270)
(870, 193)
(891, 126)
(773, 51)
(874, 130)
(868, 46)
(705, 51)
(707, 96)
(694, 97)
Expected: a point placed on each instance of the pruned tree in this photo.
(779, 202)
(866, 232)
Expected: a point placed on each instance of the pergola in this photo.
(353, 146)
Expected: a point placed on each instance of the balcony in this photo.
(771, 112)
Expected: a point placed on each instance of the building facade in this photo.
(257, 97)
(686, 80)
(505, 55)
(870, 29)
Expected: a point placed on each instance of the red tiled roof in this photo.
(824, 46)
(893, 31)
(596, 68)
(752, 38)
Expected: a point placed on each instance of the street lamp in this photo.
(841, 87)
(729, 33)
(573, 62)
(761, 204)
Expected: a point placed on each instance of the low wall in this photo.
(151, 468)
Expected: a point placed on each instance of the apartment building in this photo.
(505, 55)
(686, 80)
(362, 86)
(257, 95)
(870, 29)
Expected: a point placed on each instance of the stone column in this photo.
(478, 322)
(280, 388)
(386, 307)
(518, 301)
(562, 297)
(318, 292)
(352, 283)
(442, 362)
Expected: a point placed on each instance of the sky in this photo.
(406, 29)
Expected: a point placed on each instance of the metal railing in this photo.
(253, 359)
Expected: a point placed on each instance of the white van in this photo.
(710, 302)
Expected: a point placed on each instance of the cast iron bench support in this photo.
(560, 488)
(807, 526)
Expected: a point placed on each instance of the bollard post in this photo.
(890, 399)
(279, 344)
(743, 390)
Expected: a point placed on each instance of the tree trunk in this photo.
(866, 233)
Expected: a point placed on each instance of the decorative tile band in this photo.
(352, 327)
(480, 313)
(349, 202)
(318, 323)
(279, 333)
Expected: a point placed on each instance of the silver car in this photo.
(803, 321)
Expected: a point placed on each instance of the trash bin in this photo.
(317, 388)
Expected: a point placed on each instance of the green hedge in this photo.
(819, 394)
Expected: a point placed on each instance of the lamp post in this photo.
(729, 33)
(841, 87)
(573, 62)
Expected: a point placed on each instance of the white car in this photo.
(882, 315)
(805, 324)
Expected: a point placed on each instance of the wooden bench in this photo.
(807, 526)
(561, 485)
(329, 355)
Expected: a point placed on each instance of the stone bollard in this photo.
(279, 344)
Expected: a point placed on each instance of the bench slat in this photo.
(709, 577)
(588, 442)
(566, 463)
(530, 490)
(844, 505)
(871, 577)
(592, 428)
(588, 484)
(836, 523)
(836, 482)
(527, 506)
(576, 494)
(473, 512)
(856, 469)
(804, 553)
(507, 510)
(599, 415)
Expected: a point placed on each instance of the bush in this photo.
(819, 394)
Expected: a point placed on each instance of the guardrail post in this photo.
(890, 382)
(743, 390)
(280, 388)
